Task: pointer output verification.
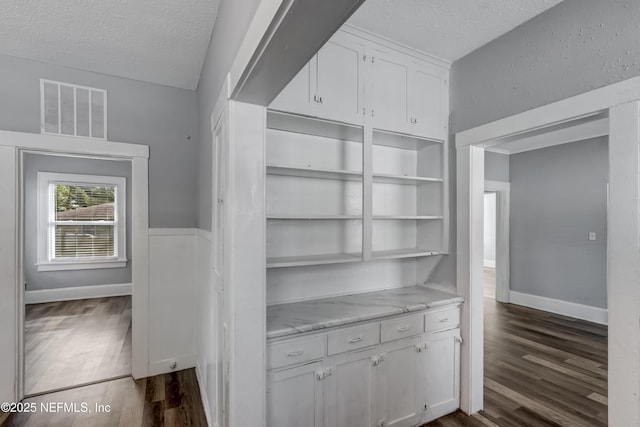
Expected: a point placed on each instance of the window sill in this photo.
(81, 265)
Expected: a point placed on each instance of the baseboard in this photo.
(565, 308)
(164, 366)
(203, 395)
(491, 263)
(78, 292)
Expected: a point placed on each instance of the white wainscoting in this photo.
(207, 363)
(76, 292)
(173, 299)
(565, 308)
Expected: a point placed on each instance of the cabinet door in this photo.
(440, 364)
(296, 97)
(339, 80)
(389, 97)
(294, 397)
(348, 390)
(402, 381)
(426, 95)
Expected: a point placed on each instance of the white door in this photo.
(221, 295)
(426, 115)
(296, 97)
(347, 391)
(294, 397)
(402, 381)
(441, 379)
(339, 80)
(389, 87)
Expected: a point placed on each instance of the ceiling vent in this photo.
(72, 110)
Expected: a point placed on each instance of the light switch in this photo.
(592, 235)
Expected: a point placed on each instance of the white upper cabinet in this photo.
(339, 80)
(427, 101)
(330, 86)
(389, 98)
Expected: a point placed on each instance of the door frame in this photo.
(620, 103)
(502, 190)
(12, 144)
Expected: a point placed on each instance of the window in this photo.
(73, 110)
(81, 221)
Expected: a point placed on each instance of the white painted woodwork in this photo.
(348, 390)
(441, 362)
(427, 91)
(9, 369)
(365, 382)
(389, 91)
(623, 264)
(173, 293)
(295, 398)
(298, 94)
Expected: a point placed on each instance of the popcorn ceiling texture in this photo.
(448, 29)
(158, 41)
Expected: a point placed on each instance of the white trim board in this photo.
(204, 398)
(77, 292)
(184, 361)
(565, 308)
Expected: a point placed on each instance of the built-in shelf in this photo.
(402, 141)
(313, 217)
(298, 261)
(309, 172)
(404, 253)
(430, 217)
(313, 126)
(402, 179)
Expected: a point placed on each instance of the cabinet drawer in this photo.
(295, 351)
(441, 320)
(401, 328)
(353, 338)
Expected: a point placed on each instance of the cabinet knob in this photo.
(356, 339)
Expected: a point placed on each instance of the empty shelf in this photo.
(433, 217)
(336, 174)
(295, 261)
(404, 253)
(403, 179)
(313, 217)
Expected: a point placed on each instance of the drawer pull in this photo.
(404, 328)
(444, 319)
(356, 339)
(295, 353)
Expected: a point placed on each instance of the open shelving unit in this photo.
(339, 193)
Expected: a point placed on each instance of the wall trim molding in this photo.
(77, 292)
(203, 396)
(565, 308)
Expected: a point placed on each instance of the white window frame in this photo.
(46, 261)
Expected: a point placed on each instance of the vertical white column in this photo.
(367, 192)
(247, 264)
(470, 202)
(8, 274)
(623, 275)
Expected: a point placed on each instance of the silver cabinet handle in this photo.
(296, 352)
(356, 339)
(404, 328)
(444, 319)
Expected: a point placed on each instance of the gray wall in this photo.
(36, 280)
(559, 195)
(571, 48)
(496, 166)
(232, 22)
(161, 117)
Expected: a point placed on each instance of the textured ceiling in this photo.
(158, 41)
(449, 29)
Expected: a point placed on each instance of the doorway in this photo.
(490, 237)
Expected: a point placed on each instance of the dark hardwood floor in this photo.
(541, 369)
(70, 343)
(164, 400)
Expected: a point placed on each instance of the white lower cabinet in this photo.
(439, 362)
(294, 397)
(401, 382)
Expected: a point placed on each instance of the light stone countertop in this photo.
(306, 316)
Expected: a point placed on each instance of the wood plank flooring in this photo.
(69, 343)
(164, 400)
(541, 369)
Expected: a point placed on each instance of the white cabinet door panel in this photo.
(390, 102)
(339, 81)
(294, 397)
(296, 97)
(401, 370)
(426, 117)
